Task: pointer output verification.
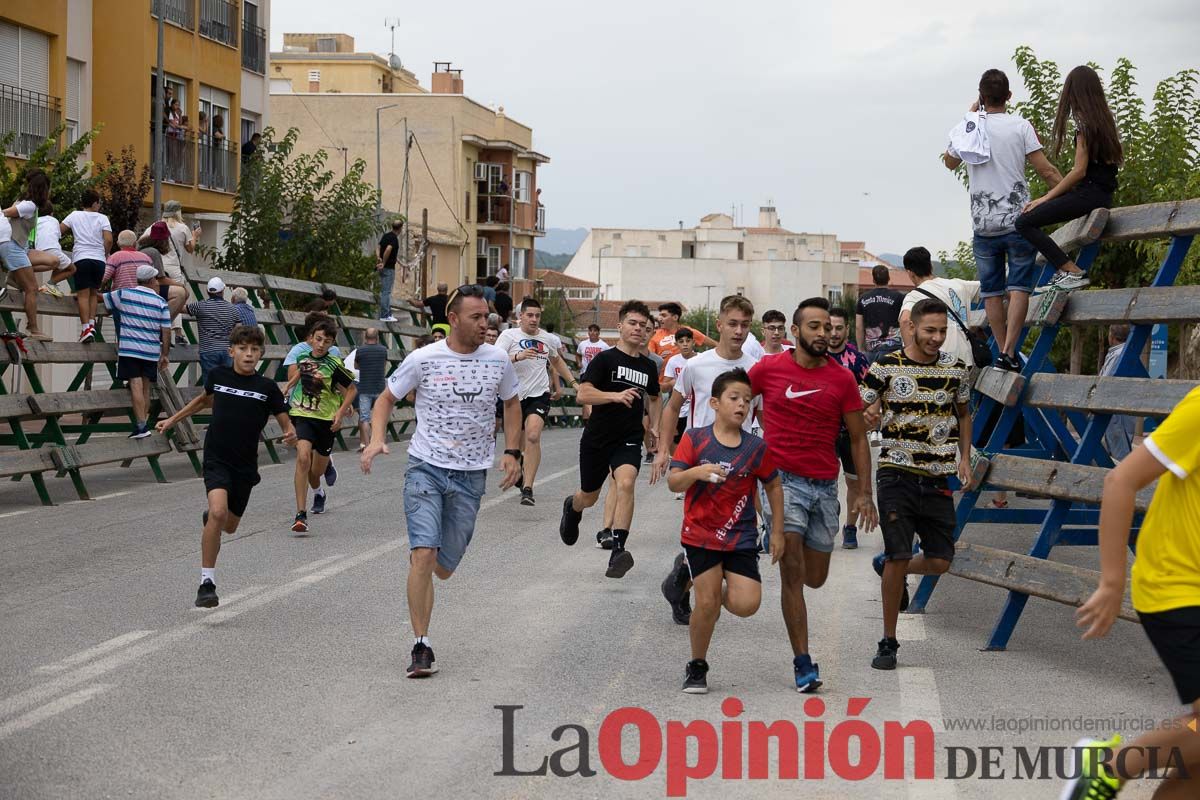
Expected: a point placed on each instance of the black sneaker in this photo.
(301, 523)
(885, 656)
(318, 503)
(620, 562)
(568, 526)
(1007, 363)
(604, 539)
(331, 474)
(695, 680)
(673, 589)
(206, 595)
(527, 496)
(422, 665)
(140, 431)
(649, 457)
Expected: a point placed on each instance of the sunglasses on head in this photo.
(466, 290)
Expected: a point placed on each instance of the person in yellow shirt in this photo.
(1166, 596)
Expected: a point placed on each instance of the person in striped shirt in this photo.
(122, 266)
(216, 318)
(143, 340)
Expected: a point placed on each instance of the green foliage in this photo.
(557, 312)
(69, 175)
(705, 321)
(123, 189)
(294, 217)
(555, 261)
(959, 264)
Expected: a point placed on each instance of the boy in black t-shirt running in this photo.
(618, 384)
(241, 401)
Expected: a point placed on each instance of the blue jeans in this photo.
(991, 255)
(386, 278)
(811, 510)
(440, 507)
(210, 360)
(366, 404)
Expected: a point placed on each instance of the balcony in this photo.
(493, 210)
(254, 49)
(178, 12)
(32, 115)
(179, 156)
(219, 21)
(218, 165)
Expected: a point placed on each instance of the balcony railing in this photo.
(254, 49)
(493, 210)
(179, 155)
(219, 21)
(32, 115)
(218, 165)
(180, 12)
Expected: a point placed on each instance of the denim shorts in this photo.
(991, 255)
(13, 256)
(211, 359)
(811, 509)
(366, 404)
(440, 507)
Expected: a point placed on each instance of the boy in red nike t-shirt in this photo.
(720, 466)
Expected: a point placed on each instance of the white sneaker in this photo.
(678, 495)
(388, 318)
(1066, 282)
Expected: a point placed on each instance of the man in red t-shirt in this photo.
(662, 343)
(806, 397)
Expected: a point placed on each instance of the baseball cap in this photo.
(146, 271)
(216, 285)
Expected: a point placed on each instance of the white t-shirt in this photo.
(957, 295)
(535, 380)
(695, 384)
(48, 234)
(172, 259)
(674, 368)
(25, 210)
(456, 402)
(88, 228)
(998, 188)
(752, 347)
(587, 350)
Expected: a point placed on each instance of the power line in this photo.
(435, 183)
(319, 125)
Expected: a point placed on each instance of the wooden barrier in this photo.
(1065, 416)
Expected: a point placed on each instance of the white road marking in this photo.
(919, 699)
(92, 652)
(51, 709)
(910, 628)
(18, 513)
(103, 497)
(320, 562)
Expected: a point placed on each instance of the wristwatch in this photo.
(514, 453)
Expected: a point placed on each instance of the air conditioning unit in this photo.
(481, 171)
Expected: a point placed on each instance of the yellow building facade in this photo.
(327, 62)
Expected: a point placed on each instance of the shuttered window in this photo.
(74, 88)
(24, 58)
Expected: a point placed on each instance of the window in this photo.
(631, 251)
(645, 251)
(25, 103)
(523, 182)
(326, 44)
(433, 264)
(616, 236)
(74, 91)
(518, 263)
(493, 261)
(835, 296)
(492, 175)
(741, 290)
(467, 205)
(481, 247)
(250, 124)
(772, 254)
(314, 76)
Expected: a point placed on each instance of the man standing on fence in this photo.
(144, 339)
(216, 318)
(389, 248)
(922, 393)
(457, 382)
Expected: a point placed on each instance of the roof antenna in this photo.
(393, 23)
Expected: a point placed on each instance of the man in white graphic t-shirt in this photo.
(457, 382)
(588, 349)
(531, 350)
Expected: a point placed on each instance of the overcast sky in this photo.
(654, 112)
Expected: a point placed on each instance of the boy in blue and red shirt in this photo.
(845, 353)
(720, 467)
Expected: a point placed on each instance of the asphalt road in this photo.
(113, 685)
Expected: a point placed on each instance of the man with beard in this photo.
(457, 382)
(850, 357)
(922, 395)
(806, 398)
(695, 387)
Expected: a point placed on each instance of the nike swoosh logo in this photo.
(793, 395)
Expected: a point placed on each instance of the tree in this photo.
(705, 321)
(69, 174)
(123, 189)
(294, 217)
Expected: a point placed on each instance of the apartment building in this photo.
(327, 62)
(88, 63)
(773, 266)
(473, 168)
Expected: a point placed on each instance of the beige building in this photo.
(471, 167)
(771, 265)
(327, 62)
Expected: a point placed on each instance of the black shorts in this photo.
(237, 483)
(89, 272)
(163, 291)
(680, 427)
(499, 408)
(130, 368)
(845, 454)
(598, 460)
(1175, 635)
(739, 562)
(915, 505)
(317, 431)
(537, 404)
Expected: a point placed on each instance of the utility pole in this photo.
(599, 263)
(407, 187)
(708, 303)
(156, 119)
(379, 160)
(425, 252)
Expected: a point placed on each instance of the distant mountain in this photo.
(555, 261)
(562, 240)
